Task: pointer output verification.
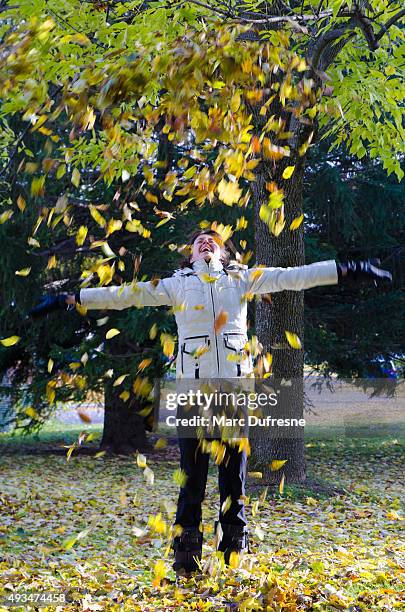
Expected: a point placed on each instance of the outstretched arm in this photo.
(270, 280)
(165, 292)
(144, 293)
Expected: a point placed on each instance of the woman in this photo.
(205, 288)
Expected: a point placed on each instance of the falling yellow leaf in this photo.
(75, 177)
(180, 477)
(295, 223)
(293, 340)
(98, 217)
(226, 505)
(281, 485)
(31, 412)
(255, 474)
(206, 278)
(159, 444)
(113, 225)
(276, 464)
(124, 396)
(141, 460)
(33, 242)
(119, 380)
(220, 321)
(153, 331)
(244, 445)
(228, 192)
(5, 216)
(288, 172)
(255, 274)
(50, 365)
(21, 203)
(111, 333)
(81, 235)
(150, 197)
(23, 272)
(51, 263)
(168, 343)
(10, 341)
(144, 364)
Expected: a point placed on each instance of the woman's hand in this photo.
(51, 303)
(363, 270)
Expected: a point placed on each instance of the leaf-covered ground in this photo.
(82, 527)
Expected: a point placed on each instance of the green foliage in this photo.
(353, 212)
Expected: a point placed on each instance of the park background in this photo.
(123, 127)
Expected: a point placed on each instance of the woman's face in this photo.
(206, 246)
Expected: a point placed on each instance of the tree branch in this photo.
(390, 22)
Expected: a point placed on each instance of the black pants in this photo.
(231, 480)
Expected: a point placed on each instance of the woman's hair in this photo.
(225, 256)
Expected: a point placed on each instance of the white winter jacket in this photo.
(197, 301)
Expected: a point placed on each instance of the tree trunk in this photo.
(285, 312)
(124, 429)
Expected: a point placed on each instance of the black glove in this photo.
(363, 270)
(50, 303)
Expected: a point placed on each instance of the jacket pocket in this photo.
(234, 343)
(194, 356)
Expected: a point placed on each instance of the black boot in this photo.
(235, 538)
(188, 549)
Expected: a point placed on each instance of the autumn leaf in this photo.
(276, 464)
(220, 321)
(206, 278)
(111, 333)
(75, 177)
(180, 477)
(81, 235)
(119, 380)
(31, 412)
(153, 331)
(10, 341)
(288, 172)
(293, 340)
(160, 444)
(228, 192)
(141, 460)
(168, 343)
(295, 223)
(281, 485)
(145, 363)
(5, 216)
(83, 416)
(23, 272)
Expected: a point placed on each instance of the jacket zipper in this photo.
(215, 335)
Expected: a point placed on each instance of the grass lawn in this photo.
(93, 527)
